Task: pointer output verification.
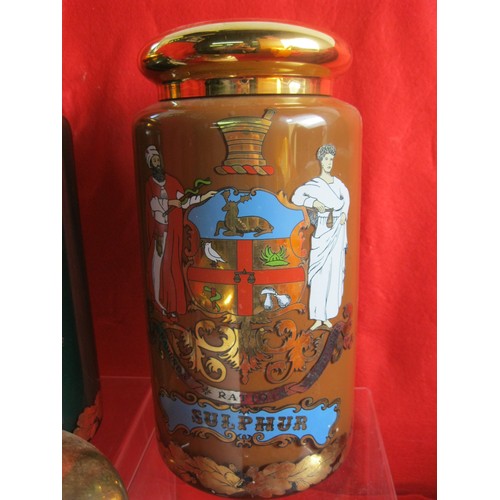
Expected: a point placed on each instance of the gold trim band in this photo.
(245, 86)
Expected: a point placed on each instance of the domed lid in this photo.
(244, 57)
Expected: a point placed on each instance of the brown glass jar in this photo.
(248, 178)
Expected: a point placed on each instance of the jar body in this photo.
(250, 231)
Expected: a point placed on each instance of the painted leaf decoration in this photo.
(272, 480)
(310, 470)
(216, 477)
(303, 343)
(178, 461)
(250, 364)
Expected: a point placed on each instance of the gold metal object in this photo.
(244, 58)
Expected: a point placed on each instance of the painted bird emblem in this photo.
(212, 254)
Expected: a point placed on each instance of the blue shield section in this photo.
(261, 204)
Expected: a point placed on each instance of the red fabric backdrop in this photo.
(393, 84)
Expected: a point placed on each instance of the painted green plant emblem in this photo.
(214, 297)
(274, 259)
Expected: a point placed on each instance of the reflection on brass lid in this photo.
(240, 50)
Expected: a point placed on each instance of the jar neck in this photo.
(260, 85)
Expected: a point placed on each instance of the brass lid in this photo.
(244, 57)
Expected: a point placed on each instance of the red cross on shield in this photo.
(250, 279)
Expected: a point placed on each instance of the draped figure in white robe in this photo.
(327, 198)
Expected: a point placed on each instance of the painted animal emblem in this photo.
(234, 225)
(212, 254)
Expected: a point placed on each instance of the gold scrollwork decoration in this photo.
(211, 349)
(228, 436)
(280, 441)
(187, 397)
(299, 348)
(197, 348)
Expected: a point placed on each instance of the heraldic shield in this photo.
(248, 258)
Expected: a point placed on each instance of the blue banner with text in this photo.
(255, 427)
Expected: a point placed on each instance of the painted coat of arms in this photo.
(248, 260)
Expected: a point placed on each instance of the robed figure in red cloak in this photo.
(166, 201)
